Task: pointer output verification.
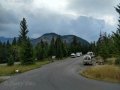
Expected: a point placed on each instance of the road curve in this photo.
(61, 75)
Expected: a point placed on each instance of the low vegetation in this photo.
(109, 61)
(10, 70)
(1, 80)
(110, 73)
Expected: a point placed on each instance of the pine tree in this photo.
(51, 51)
(23, 33)
(15, 52)
(1, 48)
(10, 61)
(58, 45)
(26, 55)
(8, 45)
(116, 37)
(8, 50)
(14, 41)
(41, 50)
(104, 53)
(40, 53)
(64, 49)
(59, 52)
(74, 41)
(3, 53)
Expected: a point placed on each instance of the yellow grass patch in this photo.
(108, 73)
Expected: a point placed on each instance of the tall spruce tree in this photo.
(26, 54)
(58, 45)
(116, 37)
(23, 31)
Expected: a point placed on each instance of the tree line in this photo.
(22, 50)
(108, 45)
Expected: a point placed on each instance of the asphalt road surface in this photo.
(61, 75)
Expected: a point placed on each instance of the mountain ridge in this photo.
(48, 36)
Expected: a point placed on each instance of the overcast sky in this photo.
(83, 18)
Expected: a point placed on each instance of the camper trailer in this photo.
(87, 59)
(91, 54)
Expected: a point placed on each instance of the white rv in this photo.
(73, 55)
(91, 54)
(87, 59)
(78, 54)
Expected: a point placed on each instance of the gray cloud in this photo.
(8, 16)
(41, 20)
(93, 6)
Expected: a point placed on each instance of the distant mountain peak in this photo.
(48, 36)
(52, 33)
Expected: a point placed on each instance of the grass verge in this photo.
(109, 73)
(111, 61)
(10, 70)
(1, 80)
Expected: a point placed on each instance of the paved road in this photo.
(61, 75)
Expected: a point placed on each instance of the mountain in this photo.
(3, 39)
(48, 36)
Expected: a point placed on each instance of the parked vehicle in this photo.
(73, 55)
(78, 54)
(87, 59)
(91, 54)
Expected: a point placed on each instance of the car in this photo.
(73, 55)
(87, 60)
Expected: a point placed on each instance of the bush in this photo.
(117, 61)
(10, 61)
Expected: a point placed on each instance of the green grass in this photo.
(110, 73)
(10, 70)
(110, 61)
(1, 80)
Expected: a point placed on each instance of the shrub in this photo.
(10, 61)
(117, 61)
